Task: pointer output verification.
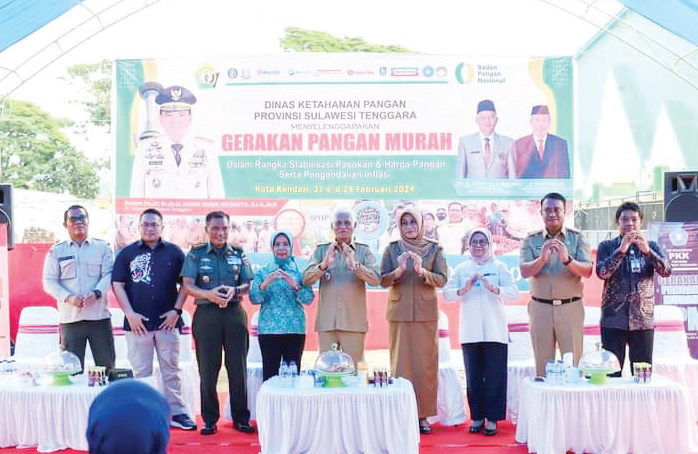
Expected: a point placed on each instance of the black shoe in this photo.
(244, 427)
(424, 427)
(209, 429)
(476, 426)
(491, 428)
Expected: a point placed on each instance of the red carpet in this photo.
(443, 440)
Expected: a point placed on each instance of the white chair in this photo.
(37, 333)
(254, 354)
(254, 371)
(520, 347)
(450, 401)
(520, 362)
(185, 339)
(120, 344)
(592, 328)
(669, 333)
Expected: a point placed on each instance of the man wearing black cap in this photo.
(485, 154)
(541, 155)
(172, 163)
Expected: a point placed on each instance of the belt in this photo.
(557, 302)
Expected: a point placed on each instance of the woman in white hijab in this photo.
(481, 284)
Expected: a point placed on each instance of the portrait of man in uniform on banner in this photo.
(170, 161)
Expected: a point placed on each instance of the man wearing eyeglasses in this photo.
(145, 278)
(77, 273)
(172, 163)
(554, 260)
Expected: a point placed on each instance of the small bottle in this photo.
(283, 374)
(561, 376)
(550, 372)
(293, 374)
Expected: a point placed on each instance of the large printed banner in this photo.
(680, 241)
(278, 141)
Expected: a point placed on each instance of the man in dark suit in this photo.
(541, 155)
(485, 154)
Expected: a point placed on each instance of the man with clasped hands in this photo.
(555, 259)
(343, 267)
(216, 275)
(627, 264)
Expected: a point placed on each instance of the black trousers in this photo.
(486, 377)
(217, 330)
(74, 338)
(275, 347)
(640, 345)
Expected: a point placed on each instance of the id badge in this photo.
(635, 265)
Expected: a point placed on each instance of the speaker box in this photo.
(6, 211)
(681, 196)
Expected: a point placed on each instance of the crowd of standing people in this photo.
(151, 279)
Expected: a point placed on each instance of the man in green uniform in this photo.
(217, 275)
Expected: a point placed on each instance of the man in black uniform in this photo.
(217, 275)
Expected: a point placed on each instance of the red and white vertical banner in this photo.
(4, 295)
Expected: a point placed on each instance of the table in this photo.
(620, 417)
(48, 417)
(356, 419)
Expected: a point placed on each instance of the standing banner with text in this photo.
(680, 242)
(279, 141)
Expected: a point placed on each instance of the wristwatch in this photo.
(569, 260)
(178, 311)
(98, 293)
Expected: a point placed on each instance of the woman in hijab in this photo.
(413, 267)
(481, 284)
(280, 291)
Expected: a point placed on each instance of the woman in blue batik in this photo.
(279, 289)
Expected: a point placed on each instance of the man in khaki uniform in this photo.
(343, 268)
(555, 259)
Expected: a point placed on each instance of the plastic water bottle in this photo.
(293, 374)
(562, 378)
(284, 374)
(550, 372)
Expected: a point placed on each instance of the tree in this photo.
(300, 40)
(35, 154)
(96, 78)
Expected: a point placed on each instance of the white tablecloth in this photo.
(357, 419)
(48, 417)
(621, 417)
